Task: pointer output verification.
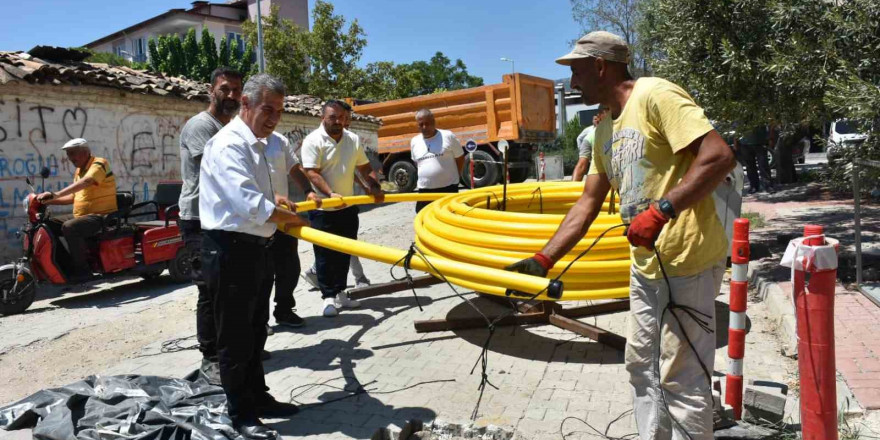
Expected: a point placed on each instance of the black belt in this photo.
(245, 238)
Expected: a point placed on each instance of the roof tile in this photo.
(24, 67)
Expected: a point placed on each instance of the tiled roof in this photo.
(21, 66)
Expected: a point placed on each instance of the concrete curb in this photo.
(780, 306)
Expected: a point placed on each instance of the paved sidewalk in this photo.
(857, 319)
(538, 375)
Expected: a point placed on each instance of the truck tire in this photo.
(486, 173)
(23, 296)
(403, 173)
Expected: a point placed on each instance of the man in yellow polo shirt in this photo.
(93, 195)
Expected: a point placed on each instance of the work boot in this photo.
(289, 318)
(211, 370)
(330, 308)
(343, 301)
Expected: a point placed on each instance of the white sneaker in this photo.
(330, 308)
(343, 301)
(311, 278)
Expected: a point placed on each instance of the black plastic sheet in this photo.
(124, 407)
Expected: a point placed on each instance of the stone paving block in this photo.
(765, 403)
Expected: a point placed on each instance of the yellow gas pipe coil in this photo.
(470, 243)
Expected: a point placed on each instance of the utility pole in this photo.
(261, 60)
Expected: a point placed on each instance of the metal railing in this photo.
(857, 199)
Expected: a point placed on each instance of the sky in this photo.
(479, 32)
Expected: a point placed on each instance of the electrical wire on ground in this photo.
(356, 391)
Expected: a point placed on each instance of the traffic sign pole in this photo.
(470, 146)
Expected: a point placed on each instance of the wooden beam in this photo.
(440, 325)
(392, 287)
(595, 310)
(597, 334)
(491, 121)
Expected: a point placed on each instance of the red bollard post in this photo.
(736, 333)
(814, 308)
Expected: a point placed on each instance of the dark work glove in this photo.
(532, 266)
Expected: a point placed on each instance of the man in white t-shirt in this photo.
(331, 155)
(438, 155)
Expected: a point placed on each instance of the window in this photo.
(119, 49)
(237, 37)
(140, 49)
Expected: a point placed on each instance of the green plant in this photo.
(756, 219)
(566, 145)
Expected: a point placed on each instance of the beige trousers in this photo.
(688, 391)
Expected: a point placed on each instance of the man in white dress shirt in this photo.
(439, 156)
(239, 214)
(330, 156)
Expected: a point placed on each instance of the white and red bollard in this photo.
(541, 175)
(815, 255)
(736, 333)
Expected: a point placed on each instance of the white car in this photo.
(842, 135)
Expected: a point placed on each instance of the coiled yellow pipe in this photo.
(470, 241)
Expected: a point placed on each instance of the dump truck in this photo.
(519, 110)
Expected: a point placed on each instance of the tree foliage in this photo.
(333, 52)
(196, 58)
(621, 17)
(385, 80)
(789, 63)
(323, 61)
(284, 48)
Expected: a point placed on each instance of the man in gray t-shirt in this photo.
(225, 96)
(193, 137)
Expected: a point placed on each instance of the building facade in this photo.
(130, 117)
(221, 20)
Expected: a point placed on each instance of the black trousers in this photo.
(332, 266)
(445, 189)
(236, 273)
(206, 331)
(284, 262)
(76, 231)
(757, 166)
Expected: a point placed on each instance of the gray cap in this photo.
(74, 143)
(598, 44)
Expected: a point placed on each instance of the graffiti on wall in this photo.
(142, 149)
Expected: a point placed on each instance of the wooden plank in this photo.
(392, 287)
(595, 310)
(491, 117)
(438, 99)
(516, 108)
(597, 334)
(441, 325)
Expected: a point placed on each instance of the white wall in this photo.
(138, 134)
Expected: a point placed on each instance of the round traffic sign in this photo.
(470, 146)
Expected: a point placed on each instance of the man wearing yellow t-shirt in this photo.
(93, 195)
(658, 150)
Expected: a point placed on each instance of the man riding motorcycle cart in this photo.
(93, 195)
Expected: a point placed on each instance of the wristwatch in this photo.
(665, 207)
